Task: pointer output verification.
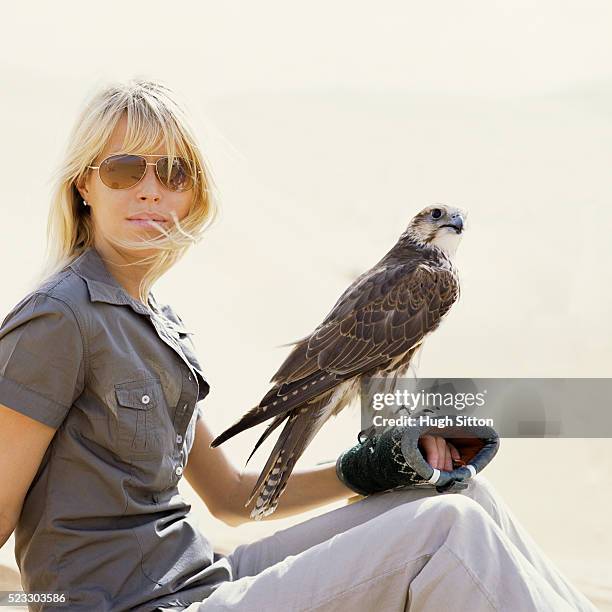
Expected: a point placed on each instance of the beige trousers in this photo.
(414, 550)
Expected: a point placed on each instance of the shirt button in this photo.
(190, 377)
(145, 399)
(179, 438)
(178, 471)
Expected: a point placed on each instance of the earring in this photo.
(85, 203)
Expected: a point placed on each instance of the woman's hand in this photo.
(439, 453)
(412, 457)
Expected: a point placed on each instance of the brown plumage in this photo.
(374, 329)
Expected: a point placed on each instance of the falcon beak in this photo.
(456, 223)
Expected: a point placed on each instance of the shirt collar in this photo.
(102, 285)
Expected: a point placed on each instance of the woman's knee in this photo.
(455, 506)
(444, 510)
(484, 494)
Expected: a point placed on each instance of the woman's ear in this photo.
(81, 186)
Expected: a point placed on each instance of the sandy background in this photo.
(327, 127)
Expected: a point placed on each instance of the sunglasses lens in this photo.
(122, 171)
(177, 177)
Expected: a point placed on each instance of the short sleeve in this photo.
(41, 359)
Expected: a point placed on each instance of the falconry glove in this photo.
(392, 459)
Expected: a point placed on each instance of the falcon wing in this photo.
(377, 319)
(380, 317)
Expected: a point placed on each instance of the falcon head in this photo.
(438, 225)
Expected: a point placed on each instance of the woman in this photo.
(99, 387)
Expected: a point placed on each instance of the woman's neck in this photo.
(128, 276)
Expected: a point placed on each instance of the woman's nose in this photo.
(149, 186)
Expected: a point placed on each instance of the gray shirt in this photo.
(103, 518)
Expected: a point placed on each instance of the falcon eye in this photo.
(436, 213)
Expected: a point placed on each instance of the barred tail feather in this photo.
(269, 429)
(295, 437)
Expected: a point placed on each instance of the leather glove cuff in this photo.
(377, 464)
(393, 459)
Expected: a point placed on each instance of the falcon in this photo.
(374, 329)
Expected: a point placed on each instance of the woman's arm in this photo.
(225, 489)
(23, 442)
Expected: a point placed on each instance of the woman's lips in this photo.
(145, 221)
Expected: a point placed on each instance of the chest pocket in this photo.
(141, 407)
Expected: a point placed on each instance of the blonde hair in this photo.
(154, 118)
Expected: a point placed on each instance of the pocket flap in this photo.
(139, 394)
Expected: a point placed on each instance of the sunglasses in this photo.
(122, 171)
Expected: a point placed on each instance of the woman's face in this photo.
(111, 209)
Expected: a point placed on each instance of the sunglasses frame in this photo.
(148, 163)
